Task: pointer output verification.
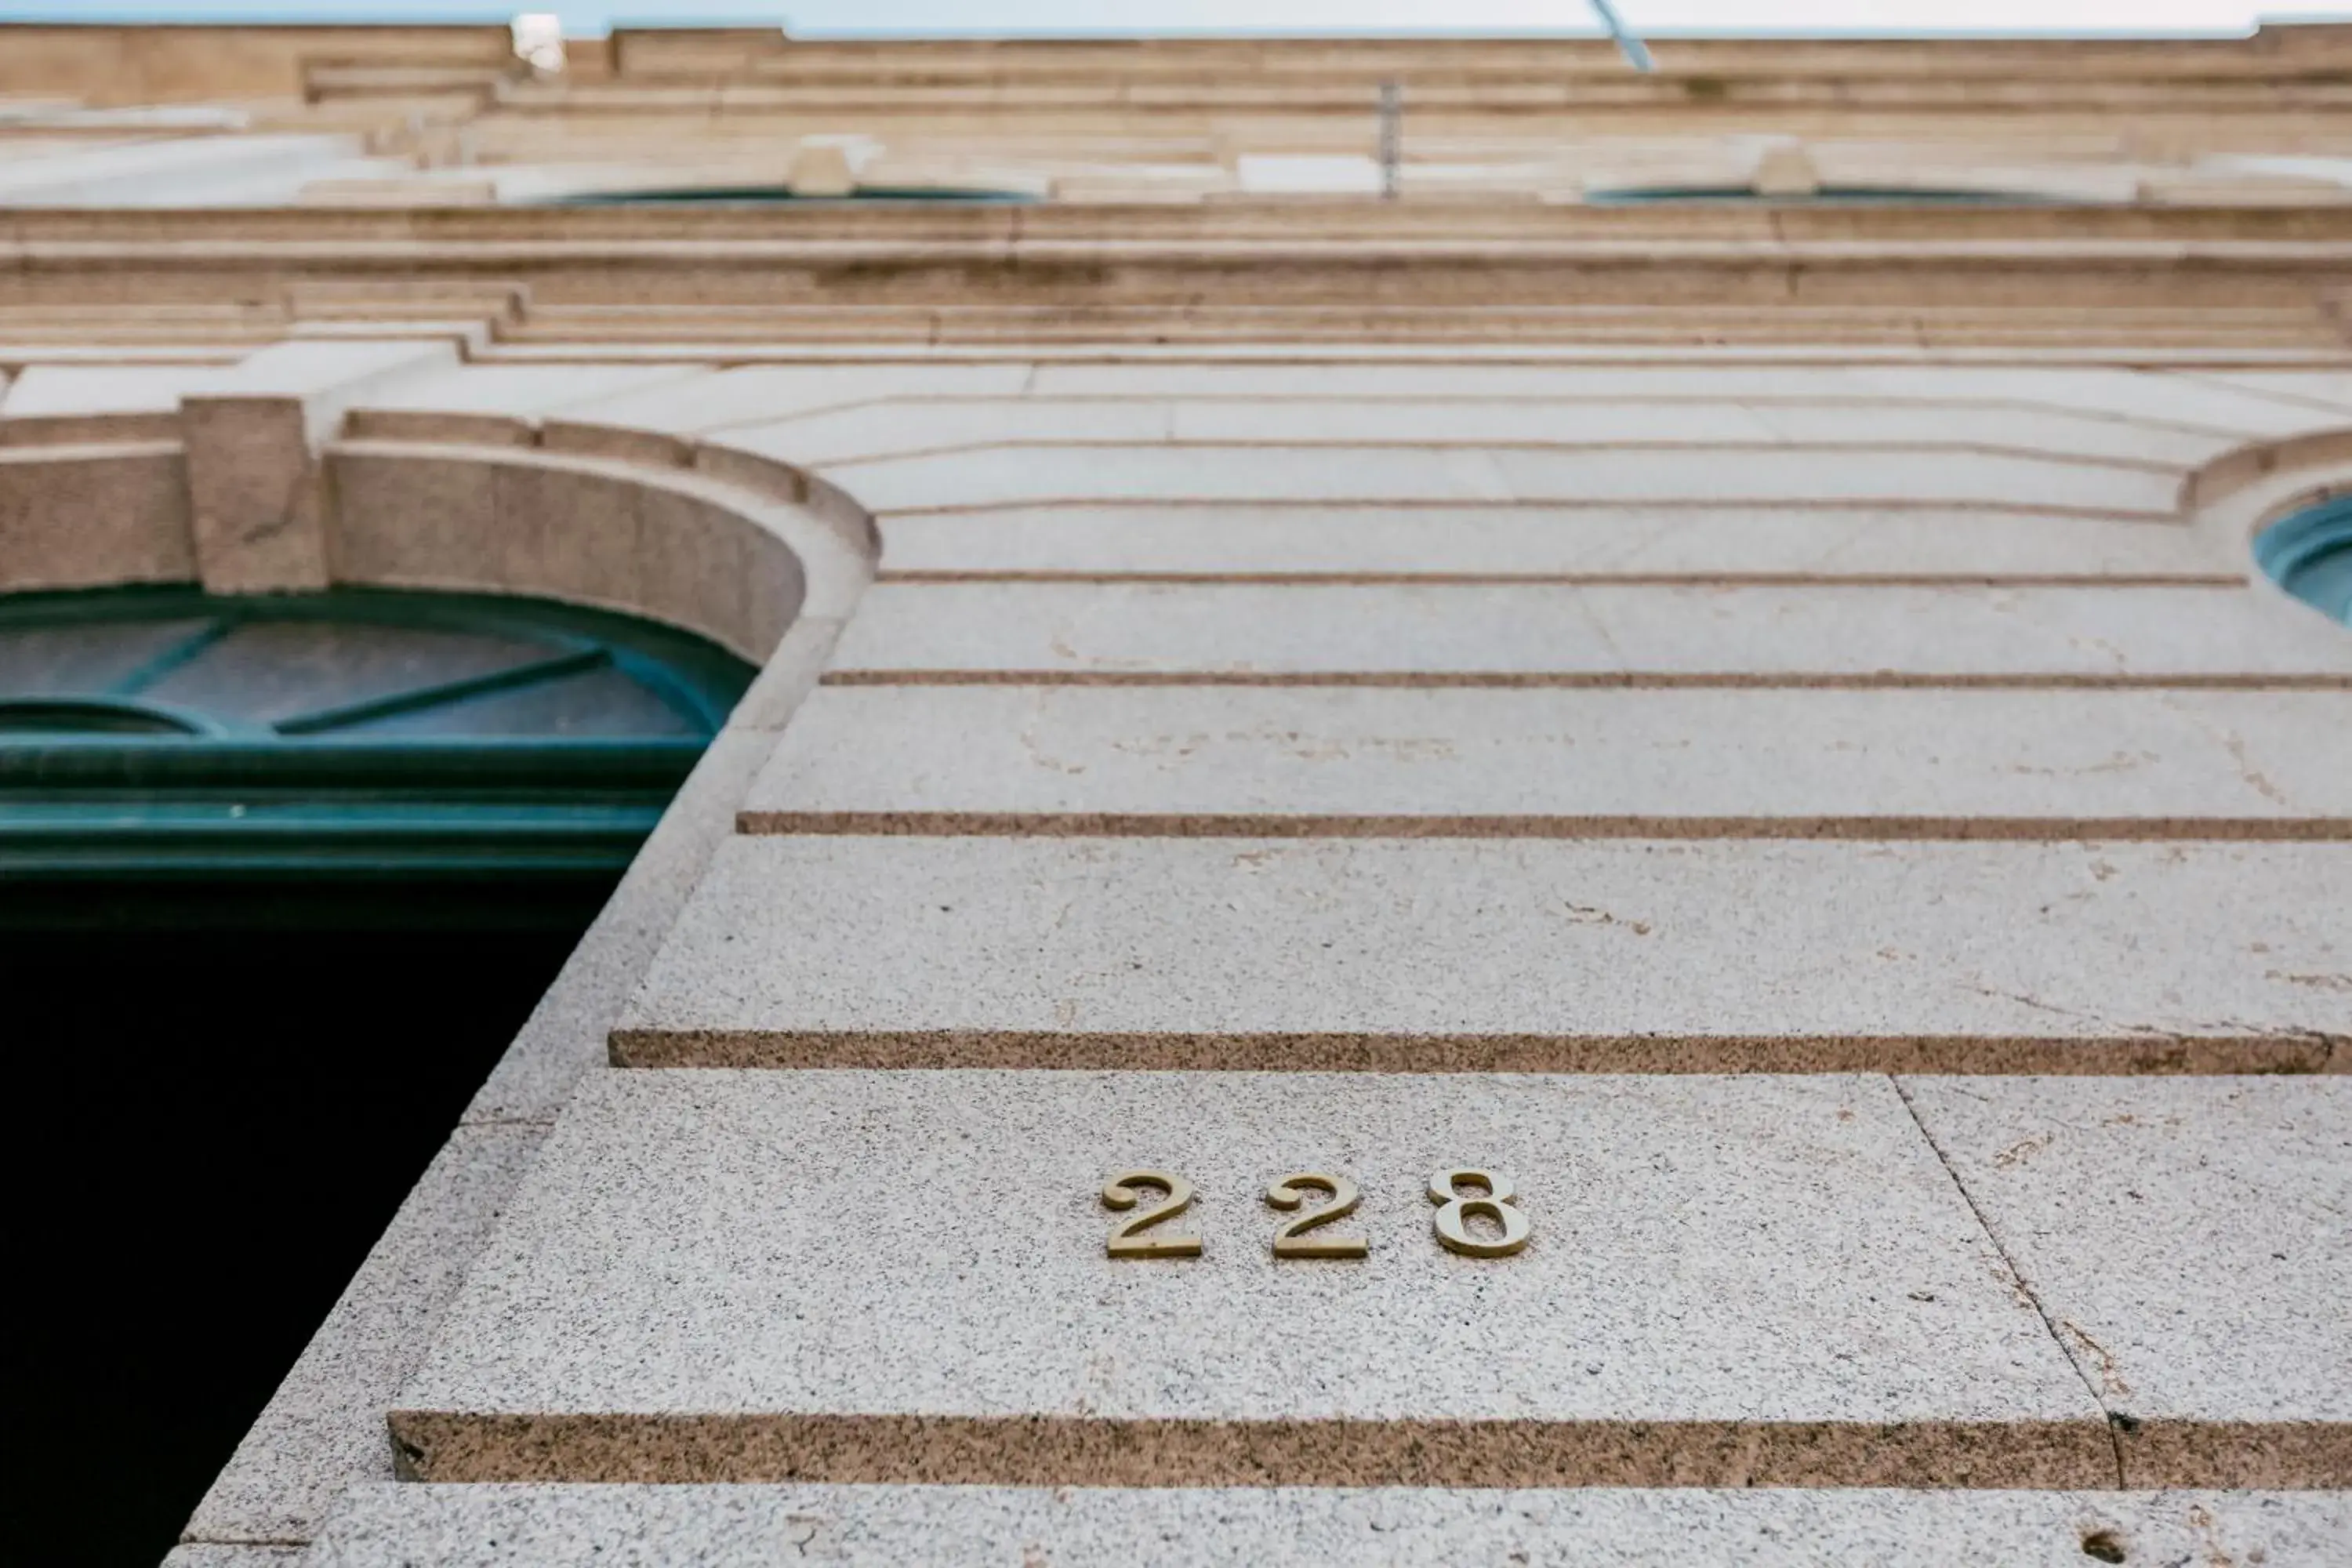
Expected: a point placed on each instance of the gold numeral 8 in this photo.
(1455, 1209)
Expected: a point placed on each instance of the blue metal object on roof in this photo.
(163, 733)
(2309, 553)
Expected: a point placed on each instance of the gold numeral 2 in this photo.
(1126, 1237)
(1495, 1204)
(1291, 1240)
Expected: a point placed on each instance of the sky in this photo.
(985, 17)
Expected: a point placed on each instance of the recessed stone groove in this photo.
(1049, 1450)
(1509, 444)
(1551, 503)
(1874, 680)
(1207, 825)
(2119, 1054)
(1589, 579)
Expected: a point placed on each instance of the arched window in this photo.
(2309, 553)
(321, 743)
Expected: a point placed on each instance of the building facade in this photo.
(1494, 810)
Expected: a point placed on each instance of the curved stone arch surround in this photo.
(2232, 500)
(731, 545)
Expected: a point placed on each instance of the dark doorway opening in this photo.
(212, 1125)
(280, 876)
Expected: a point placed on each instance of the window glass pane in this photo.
(83, 660)
(597, 703)
(277, 669)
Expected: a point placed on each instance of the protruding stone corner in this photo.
(840, 512)
(259, 499)
(256, 495)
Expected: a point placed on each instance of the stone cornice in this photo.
(1430, 272)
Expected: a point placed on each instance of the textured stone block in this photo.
(1442, 380)
(565, 1035)
(757, 395)
(691, 565)
(258, 492)
(778, 693)
(573, 533)
(901, 1276)
(2186, 401)
(323, 1429)
(528, 389)
(1816, 634)
(1535, 542)
(73, 517)
(1464, 954)
(2192, 1243)
(1190, 760)
(1372, 474)
(1674, 429)
(2326, 389)
(415, 517)
(1107, 1527)
(54, 391)
(861, 432)
(223, 1555)
(255, 485)
(2154, 398)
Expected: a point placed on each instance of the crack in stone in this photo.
(2024, 1286)
(2111, 1376)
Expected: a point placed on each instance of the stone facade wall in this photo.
(1758, 726)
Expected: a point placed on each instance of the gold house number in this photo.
(1491, 1198)
(1126, 1237)
(1291, 1240)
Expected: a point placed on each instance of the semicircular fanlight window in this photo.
(165, 731)
(2309, 553)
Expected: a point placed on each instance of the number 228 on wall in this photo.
(1312, 1233)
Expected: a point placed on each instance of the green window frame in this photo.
(2309, 553)
(548, 751)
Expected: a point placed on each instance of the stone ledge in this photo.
(1855, 635)
(1089, 1527)
(876, 1277)
(1500, 955)
(1387, 762)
